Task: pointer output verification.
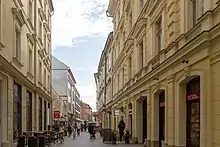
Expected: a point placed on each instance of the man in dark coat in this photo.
(121, 127)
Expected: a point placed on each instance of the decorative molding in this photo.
(1, 46)
(42, 15)
(18, 13)
(17, 62)
(18, 3)
(139, 27)
(46, 27)
(186, 72)
(170, 78)
(30, 38)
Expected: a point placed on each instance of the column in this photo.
(170, 112)
(154, 119)
(149, 116)
(24, 108)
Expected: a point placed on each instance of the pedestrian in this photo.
(121, 127)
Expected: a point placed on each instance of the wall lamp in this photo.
(107, 14)
(185, 61)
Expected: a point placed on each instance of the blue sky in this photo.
(79, 32)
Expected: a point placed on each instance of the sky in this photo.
(79, 31)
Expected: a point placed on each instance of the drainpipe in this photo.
(35, 62)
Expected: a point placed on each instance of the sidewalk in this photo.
(84, 141)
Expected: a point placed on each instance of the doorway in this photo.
(161, 116)
(130, 118)
(193, 112)
(1, 97)
(144, 118)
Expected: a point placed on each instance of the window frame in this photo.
(30, 11)
(18, 43)
(30, 64)
(40, 114)
(17, 116)
(40, 71)
(29, 110)
(158, 33)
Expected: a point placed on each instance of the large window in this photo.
(29, 111)
(18, 43)
(141, 56)
(130, 67)
(30, 10)
(40, 29)
(30, 59)
(40, 114)
(17, 111)
(159, 35)
(45, 115)
(40, 72)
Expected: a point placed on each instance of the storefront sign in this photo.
(56, 114)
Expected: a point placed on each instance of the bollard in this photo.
(32, 141)
(21, 141)
(42, 141)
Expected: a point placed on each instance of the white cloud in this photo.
(72, 19)
(88, 94)
(79, 69)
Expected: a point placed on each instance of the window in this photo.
(18, 43)
(40, 71)
(45, 41)
(123, 78)
(141, 56)
(48, 83)
(30, 10)
(45, 115)
(30, 60)
(130, 67)
(40, 114)
(195, 11)
(49, 109)
(141, 4)
(45, 5)
(29, 111)
(17, 111)
(45, 78)
(40, 29)
(130, 20)
(118, 84)
(159, 35)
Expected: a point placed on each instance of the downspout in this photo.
(35, 64)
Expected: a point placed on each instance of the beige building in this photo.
(103, 80)
(25, 64)
(166, 70)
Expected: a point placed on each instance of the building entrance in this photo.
(144, 120)
(161, 116)
(193, 113)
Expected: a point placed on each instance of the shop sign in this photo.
(56, 114)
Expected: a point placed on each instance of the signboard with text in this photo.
(56, 114)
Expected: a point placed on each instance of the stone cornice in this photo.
(19, 15)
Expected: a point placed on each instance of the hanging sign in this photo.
(56, 114)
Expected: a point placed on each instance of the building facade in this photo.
(166, 70)
(64, 83)
(77, 105)
(25, 63)
(59, 106)
(104, 84)
(86, 112)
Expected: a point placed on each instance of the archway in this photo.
(130, 118)
(193, 112)
(144, 118)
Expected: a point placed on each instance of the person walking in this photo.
(121, 127)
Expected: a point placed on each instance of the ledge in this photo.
(1, 46)
(17, 62)
(30, 75)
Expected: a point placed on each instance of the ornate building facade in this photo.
(166, 59)
(25, 67)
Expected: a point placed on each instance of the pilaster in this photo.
(170, 111)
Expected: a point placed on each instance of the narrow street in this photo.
(84, 141)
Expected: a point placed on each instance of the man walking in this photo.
(121, 127)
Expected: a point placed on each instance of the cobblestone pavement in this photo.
(84, 141)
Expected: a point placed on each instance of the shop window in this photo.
(29, 111)
(40, 114)
(17, 111)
